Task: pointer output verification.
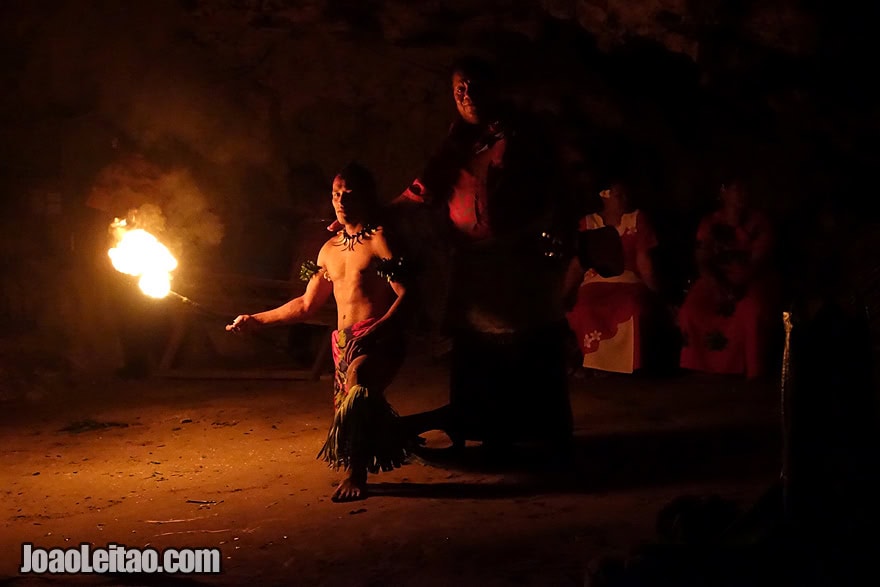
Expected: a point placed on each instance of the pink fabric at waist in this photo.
(356, 329)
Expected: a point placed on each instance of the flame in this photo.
(139, 253)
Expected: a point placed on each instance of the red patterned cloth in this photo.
(601, 311)
(726, 332)
(607, 317)
(365, 430)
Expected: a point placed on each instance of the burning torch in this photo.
(140, 254)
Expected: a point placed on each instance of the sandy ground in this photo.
(232, 464)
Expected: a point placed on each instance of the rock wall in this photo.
(260, 101)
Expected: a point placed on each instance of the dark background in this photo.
(233, 116)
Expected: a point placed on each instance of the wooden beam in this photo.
(264, 374)
(179, 328)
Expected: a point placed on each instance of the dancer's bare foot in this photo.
(352, 488)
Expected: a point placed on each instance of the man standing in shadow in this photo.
(498, 192)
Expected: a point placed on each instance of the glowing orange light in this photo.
(139, 253)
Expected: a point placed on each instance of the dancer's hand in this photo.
(243, 323)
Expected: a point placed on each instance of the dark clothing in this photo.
(499, 181)
(511, 387)
(498, 188)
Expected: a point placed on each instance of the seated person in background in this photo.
(725, 315)
(608, 315)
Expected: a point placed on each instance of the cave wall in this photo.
(258, 102)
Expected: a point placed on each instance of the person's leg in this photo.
(371, 431)
(546, 402)
(436, 419)
(470, 383)
(529, 396)
(354, 485)
(484, 387)
(503, 409)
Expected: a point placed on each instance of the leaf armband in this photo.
(395, 269)
(308, 270)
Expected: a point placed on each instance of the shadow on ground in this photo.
(604, 463)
